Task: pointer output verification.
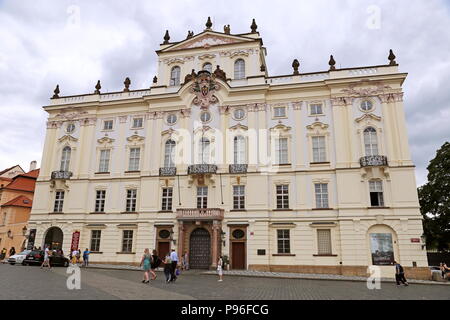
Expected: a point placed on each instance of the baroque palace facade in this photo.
(306, 172)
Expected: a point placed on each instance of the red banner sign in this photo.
(75, 241)
(416, 240)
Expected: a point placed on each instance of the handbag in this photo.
(177, 273)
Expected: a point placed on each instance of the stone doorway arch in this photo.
(54, 237)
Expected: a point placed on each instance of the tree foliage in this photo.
(434, 198)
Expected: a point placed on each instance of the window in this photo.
(321, 190)
(175, 76)
(100, 197)
(283, 196)
(366, 105)
(239, 114)
(131, 200)
(169, 154)
(324, 242)
(319, 152)
(370, 141)
(138, 123)
(167, 199)
(316, 109)
(207, 67)
(127, 241)
(95, 240)
(135, 154)
(284, 241)
(59, 201)
(279, 112)
(202, 197)
(203, 155)
(108, 125)
(171, 119)
(376, 193)
(238, 197)
(239, 150)
(205, 117)
(281, 151)
(70, 128)
(239, 69)
(65, 158)
(104, 161)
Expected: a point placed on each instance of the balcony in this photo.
(202, 169)
(373, 161)
(61, 175)
(200, 214)
(167, 171)
(238, 168)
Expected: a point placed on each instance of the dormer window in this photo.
(175, 76)
(207, 67)
(239, 69)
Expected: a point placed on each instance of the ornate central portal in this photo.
(200, 249)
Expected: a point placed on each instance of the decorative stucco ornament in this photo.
(204, 87)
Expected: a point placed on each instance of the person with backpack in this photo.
(400, 274)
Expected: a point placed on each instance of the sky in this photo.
(75, 43)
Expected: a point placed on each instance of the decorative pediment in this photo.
(68, 138)
(204, 129)
(239, 127)
(207, 39)
(239, 53)
(135, 139)
(170, 132)
(317, 126)
(281, 128)
(207, 56)
(105, 140)
(367, 117)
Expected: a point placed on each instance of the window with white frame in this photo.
(127, 241)
(167, 199)
(316, 109)
(138, 123)
(169, 154)
(239, 150)
(65, 158)
(366, 105)
(100, 198)
(319, 150)
(279, 112)
(135, 154)
(202, 197)
(108, 125)
(95, 240)
(370, 141)
(284, 241)
(376, 193)
(281, 151)
(175, 76)
(321, 191)
(59, 201)
(324, 242)
(131, 200)
(204, 151)
(207, 67)
(239, 69)
(104, 160)
(238, 197)
(282, 196)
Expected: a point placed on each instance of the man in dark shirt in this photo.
(400, 274)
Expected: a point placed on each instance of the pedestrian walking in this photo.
(185, 261)
(146, 265)
(47, 253)
(3, 254)
(73, 259)
(86, 254)
(167, 267)
(400, 274)
(12, 251)
(174, 259)
(156, 262)
(219, 269)
(444, 270)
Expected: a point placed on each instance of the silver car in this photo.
(19, 257)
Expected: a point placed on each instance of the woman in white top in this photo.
(219, 269)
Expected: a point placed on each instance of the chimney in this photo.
(33, 165)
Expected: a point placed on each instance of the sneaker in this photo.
(220, 280)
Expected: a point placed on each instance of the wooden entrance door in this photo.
(200, 249)
(238, 255)
(163, 249)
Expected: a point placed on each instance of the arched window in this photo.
(208, 67)
(169, 154)
(65, 158)
(239, 150)
(175, 76)
(239, 69)
(370, 141)
(203, 154)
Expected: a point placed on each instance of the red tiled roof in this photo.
(20, 201)
(22, 183)
(31, 174)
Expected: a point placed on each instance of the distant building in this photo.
(7, 174)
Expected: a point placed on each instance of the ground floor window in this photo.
(324, 242)
(95, 240)
(381, 248)
(283, 240)
(127, 241)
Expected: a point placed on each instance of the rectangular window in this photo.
(108, 125)
(131, 200)
(324, 241)
(104, 161)
(281, 150)
(138, 123)
(59, 201)
(238, 197)
(319, 152)
(135, 154)
(127, 241)
(283, 196)
(279, 112)
(167, 199)
(95, 240)
(202, 197)
(283, 240)
(376, 193)
(316, 109)
(321, 190)
(100, 200)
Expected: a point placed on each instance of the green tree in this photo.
(434, 198)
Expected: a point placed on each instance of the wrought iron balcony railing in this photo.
(238, 168)
(61, 175)
(202, 169)
(167, 171)
(373, 161)
(200, 214)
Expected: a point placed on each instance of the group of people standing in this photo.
(75, 257)
(12, 252)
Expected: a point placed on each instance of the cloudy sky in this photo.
(75, 43)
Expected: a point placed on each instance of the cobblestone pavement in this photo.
(19, 282)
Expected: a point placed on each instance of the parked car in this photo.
(36, 257)
(18, 258)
